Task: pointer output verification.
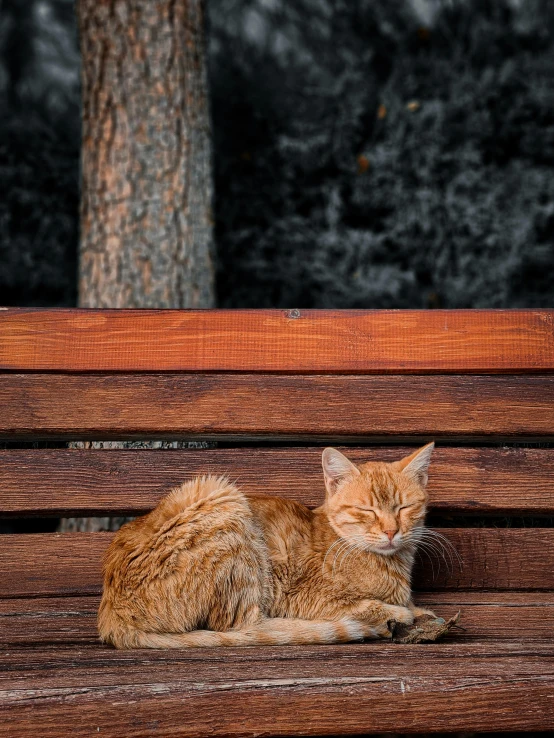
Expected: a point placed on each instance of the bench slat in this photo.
(211, 666)
(227, 406)
(493, 558)
(498, 616)
(279, 691)
(70, 482)
(207, 663)
(337, 341)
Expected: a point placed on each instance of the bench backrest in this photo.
(480, 383)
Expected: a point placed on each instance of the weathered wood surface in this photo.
(228, 406)
(71, 621)
(349, 341)
(353, 689)
(51, 666)
(492, 558)
(206, 663)
(58, 666)
(463, 480)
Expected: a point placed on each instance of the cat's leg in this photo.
(373, 613)
(379, 613)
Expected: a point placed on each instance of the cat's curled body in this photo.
(211, 566)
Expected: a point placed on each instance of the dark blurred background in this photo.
(366, 154)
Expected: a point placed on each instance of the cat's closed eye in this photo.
(404, 507)
(367, 509)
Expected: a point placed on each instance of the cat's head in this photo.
(377, 505)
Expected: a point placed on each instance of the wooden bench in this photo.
(479, 383)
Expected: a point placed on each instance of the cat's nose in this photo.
(390, 534)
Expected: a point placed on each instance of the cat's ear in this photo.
(416, 465)
(336, 467)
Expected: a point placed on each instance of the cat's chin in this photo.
(386, 550)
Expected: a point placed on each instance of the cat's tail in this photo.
(273, 631)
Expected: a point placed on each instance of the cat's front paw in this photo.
(393, 615)
(383, 630)
(399, 614)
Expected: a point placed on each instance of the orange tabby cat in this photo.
(211, 566)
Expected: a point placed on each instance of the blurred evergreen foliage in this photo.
(376, 162)
(363, 157)
(39, 153)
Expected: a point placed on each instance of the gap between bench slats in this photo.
(228, 406)
(64, 482)
(493, 558)
(502, 616)
(337, 341)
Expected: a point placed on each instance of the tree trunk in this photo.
(146, 190)
(146, 199)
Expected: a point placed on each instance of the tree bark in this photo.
(146, 179)
(146, 199)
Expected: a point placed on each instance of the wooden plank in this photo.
(515, 481)
(492, 558)
(336, 341)
(492, 616)
(280, 691)
(58, 620)
(228, 406)
(53, 666)
(311, 708)
(59, 664)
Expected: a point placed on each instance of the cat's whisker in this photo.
(446, 550)
(363, 549)
(427, 535)
(441, 540)
(346, 553)
(363, 545)
(429, 540)
(345, 548)
(423, 551)
(355, 548)
(348, 542)
(438, 551)
(353, 552)
(339, 540)
(421, 540)
(438, 554)
(439, 548)
(345, 545)
(448, 543)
